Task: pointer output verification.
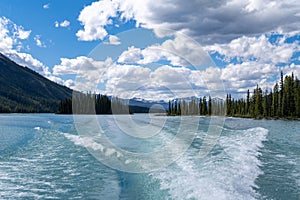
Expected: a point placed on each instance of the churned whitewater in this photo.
(44, 157)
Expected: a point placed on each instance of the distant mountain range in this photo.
(158, 106)
(24, 90)
(147, 103)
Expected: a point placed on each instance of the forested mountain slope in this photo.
(23, 90)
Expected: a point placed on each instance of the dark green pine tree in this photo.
(258, 109)
(179, 109)
(204, 106)
(297, 97)
(270, 101)
(169, 108)
(228, 105)
(281, 95)
(265, 104)
(248, 103)
(200, 107)
(209, 106)
(275, 103)
(287, 100)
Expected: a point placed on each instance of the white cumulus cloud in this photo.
(11, 36)
(64, 24)
(38, 41)
(166, 82)
(89, 72)
(7, 41)
(132, 55)
(181, 51)
(113, 40)
(46, 6)
(94, 18)
(23, 35)
(206, 21)
(259, 48)
(27, 60)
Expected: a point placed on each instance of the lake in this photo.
(47, 156)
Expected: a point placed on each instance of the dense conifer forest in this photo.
(283, 101)
(87, 103)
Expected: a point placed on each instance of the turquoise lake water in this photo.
(42, 156)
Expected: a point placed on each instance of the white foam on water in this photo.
(90, 143)
(40, 171)
(128, 161)
(15, 182)
(280, 156)
(230, 174)
(37, 128)
(296, 174)
(86, 142)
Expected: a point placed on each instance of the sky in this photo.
(163, 50)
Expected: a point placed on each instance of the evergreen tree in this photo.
(209, 106)
(248, 102)
(204, 106)
(179, 109)
(200, 107)
(297, 97)
(281, 95)
(275, 104)
(283, 101)
(258, 102)
(228, 105)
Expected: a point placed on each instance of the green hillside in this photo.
(23, 90)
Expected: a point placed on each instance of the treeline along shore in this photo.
(88, 103)
(283, 101)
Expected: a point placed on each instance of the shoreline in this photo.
(166, 115)
(242, 117)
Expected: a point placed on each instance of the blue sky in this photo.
(118, 47)
(60, 42)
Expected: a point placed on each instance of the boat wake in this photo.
(228, 172)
